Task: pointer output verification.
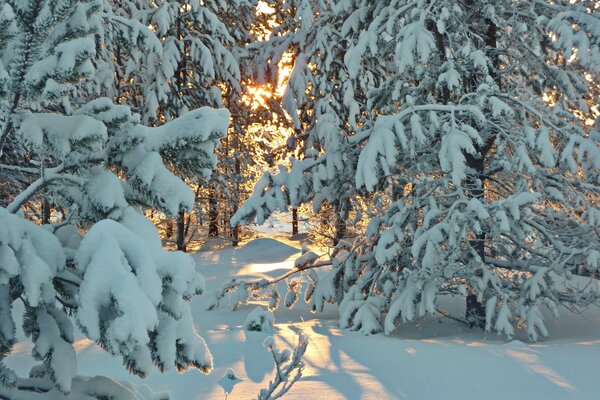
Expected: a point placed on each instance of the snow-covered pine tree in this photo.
(322, 104)
(223, 192)
(197, 56)
(255, 139)
(100, 166)
(199, 64)
(465, 129)
(127, 51)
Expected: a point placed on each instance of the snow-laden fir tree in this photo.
(316, 96)
(101, 267)
(197, 55)
(202, 43)
(255, 139)
(127, 55)
(223, 192)
(463, 123)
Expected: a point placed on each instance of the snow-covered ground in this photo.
(437, 359)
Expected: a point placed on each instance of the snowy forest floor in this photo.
(436, 359)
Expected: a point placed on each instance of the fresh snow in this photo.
(438, 358)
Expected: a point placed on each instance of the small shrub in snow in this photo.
(228, 381)
(288, 368)
(260, 320)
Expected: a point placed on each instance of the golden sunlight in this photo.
(258, 96)
(263, 268)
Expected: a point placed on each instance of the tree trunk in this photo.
(180, 76)
(213, 214)
(340, 229)
(475, 311)
(294, 221)
(341, 215)
(180, 241)
(235, 233)
(46, 211)
(169, 230)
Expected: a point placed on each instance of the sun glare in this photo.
(263, 8)
(259, 95)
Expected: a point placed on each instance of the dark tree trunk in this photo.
(235, 233)
(475, 311)
(213, 214)
(340, 229)
(46, 211)
(180, 241)
(294, 221)
(169, 229)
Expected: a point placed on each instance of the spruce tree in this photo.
(463, 124)
(201, 44)
(99, 266)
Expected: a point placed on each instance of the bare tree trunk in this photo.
(169, 229)
(235, 233)
(213, 214)
(46, 211)
(340, 229)
(180, 77)
(294, 221)
(475, 311)
(180, 241)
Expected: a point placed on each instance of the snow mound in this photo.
(515, 343)
(265, 250)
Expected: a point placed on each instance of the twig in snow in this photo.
(286, 364)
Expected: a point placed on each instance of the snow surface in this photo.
(437, 359)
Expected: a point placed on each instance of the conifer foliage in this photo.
(459, 133)
(461, 122)
(100, 267)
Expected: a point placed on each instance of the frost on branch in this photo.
(288, 368)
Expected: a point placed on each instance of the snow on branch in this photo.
(138, 308)
(288, 368)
